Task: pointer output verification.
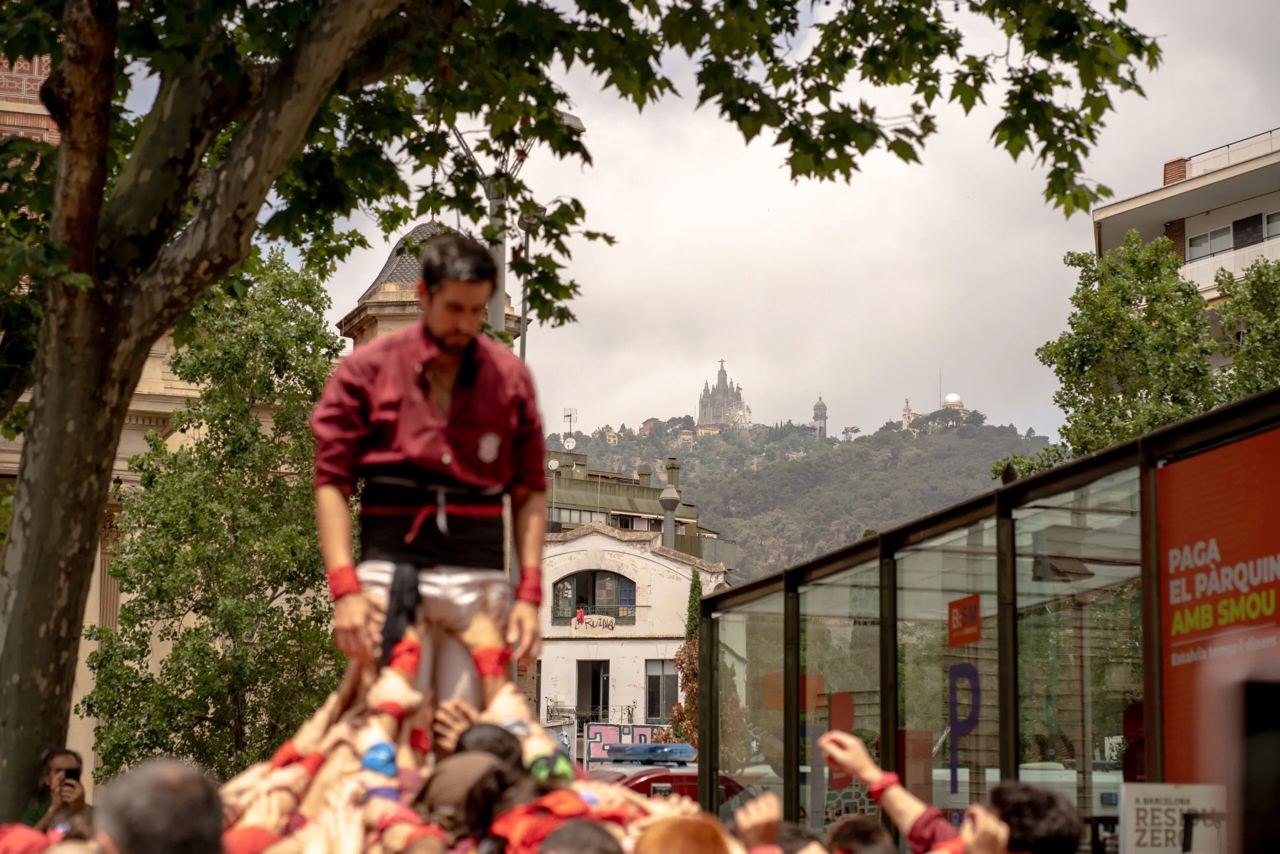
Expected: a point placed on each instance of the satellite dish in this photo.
(570, 443)
(553, 465)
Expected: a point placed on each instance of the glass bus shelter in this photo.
(1016, 635)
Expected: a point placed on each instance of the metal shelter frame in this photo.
(1147, 453)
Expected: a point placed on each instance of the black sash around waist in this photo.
(405, 520)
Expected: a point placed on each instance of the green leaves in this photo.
(1137, 348)
(807, 78)
(222, 645)
(1140, 347)
(1250, 323)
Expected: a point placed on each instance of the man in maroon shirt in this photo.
(440, 423)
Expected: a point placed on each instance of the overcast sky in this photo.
(858, 292)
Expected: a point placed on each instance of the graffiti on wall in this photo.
(599, 736)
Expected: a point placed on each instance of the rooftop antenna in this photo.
(939, 387)
(570, 416)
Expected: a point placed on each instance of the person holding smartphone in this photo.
(60, 796)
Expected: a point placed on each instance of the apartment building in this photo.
(1221, 209)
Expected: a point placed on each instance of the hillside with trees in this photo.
(785, 496)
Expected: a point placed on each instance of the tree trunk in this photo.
(87, 367)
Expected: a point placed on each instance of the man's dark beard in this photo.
(446, 347)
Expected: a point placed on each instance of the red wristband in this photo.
(877, 789)
(343, 581)
(530, 587)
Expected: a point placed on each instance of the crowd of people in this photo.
(350, 781)
(427, 746)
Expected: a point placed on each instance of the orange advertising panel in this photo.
(964, 620)
(1219, 518)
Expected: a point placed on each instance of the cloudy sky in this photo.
(861, 292)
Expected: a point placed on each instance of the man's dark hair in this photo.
(580, 837)
(1040, 821)
(42, 788)
(502, 787)
(792, 837)
(458, 259)
(856, 833)
(161, 805)
(495, 740)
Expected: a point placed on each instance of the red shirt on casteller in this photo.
(375, 417)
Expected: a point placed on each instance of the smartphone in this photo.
(71, 774)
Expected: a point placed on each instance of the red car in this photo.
(660, 780)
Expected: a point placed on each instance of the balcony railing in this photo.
(1202, 271)
(623, 615)
(1237, 152)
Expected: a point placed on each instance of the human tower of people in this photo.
(427, 746)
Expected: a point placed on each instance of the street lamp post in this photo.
(495, 192)
(498, 218)
(527, 222)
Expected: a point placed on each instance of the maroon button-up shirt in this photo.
(375, 417)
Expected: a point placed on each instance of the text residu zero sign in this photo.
(1151, 818)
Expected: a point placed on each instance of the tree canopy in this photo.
(279, 121)
(1142, 348)
(328, 108)
(221, 648)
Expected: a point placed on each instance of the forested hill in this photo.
(786, 496)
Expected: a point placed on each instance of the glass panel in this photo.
(1197, 247)
(1220, 240)
(660, 690)
(1273, 225)
(563, 598)
(840, 686)
(947, 662)
(749, 678)
(1080, 642)
(653, 689)
(606, 592)
(670, 690)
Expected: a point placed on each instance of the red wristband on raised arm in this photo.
(343, 581)
(877, 789)
(530, 587)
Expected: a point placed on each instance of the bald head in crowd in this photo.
(160, 805)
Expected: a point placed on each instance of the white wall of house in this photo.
(662, 578)
(627, 683)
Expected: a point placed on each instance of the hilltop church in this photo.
(722, 405)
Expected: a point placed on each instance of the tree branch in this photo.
(390, 51)
(191, 109)
(218, 236)
(78, 95)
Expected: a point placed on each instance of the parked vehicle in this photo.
(661, 780)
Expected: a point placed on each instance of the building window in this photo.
(570, 518)
(593, 692)
(594, 592)
(661, 688)
(1273, 225)
(1209, 243)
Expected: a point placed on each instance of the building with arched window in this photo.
(612, 624)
